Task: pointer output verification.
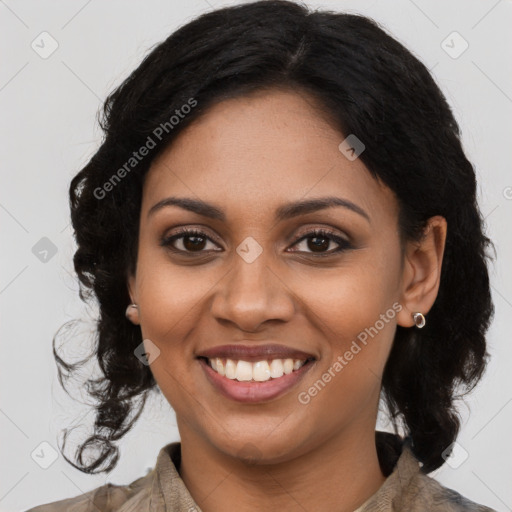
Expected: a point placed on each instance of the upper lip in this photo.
(254, 353)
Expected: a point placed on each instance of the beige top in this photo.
(405, 489)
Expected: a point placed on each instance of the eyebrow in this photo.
(284, 212)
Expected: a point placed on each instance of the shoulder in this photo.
(408, 488)
(434, 497)
(107, 498)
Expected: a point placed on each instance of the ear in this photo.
(421, 274)
(132, 313)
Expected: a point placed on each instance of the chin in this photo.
(259, 450)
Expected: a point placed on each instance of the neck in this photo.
(340, 474)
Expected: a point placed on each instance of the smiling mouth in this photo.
(259, 371)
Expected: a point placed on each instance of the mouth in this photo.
(254, 374)
(260, 371)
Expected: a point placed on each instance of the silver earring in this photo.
(129, 308)
(419, 320)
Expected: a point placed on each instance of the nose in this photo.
(252, 294)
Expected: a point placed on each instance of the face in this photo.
(254, 271)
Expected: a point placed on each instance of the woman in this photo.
(281, 228)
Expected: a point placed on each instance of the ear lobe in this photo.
(421, 275)
(132, 310)
(132, 314)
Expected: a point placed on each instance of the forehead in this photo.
(253, 153)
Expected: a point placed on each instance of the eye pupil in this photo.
(319, 245)
(197, 242)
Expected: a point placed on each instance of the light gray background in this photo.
(48, 131)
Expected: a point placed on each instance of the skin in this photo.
(249, 156)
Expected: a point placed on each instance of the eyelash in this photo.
(315, 233)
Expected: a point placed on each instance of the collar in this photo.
(405, 471)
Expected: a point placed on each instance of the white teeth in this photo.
(230, 369)
(243, 370)
(276, 368)
(297, 364)
(260, 371)
(288, 366)
(219, 366)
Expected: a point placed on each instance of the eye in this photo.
(320, 239)
(190, 240)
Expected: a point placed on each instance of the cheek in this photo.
(354, 308)
(344, 301)
(170, 303)
(169, 310)
(169, 294)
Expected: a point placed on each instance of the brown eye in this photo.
(319, 241)
(187, 241)
(193, 242)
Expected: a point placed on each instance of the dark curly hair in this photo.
(367, 84)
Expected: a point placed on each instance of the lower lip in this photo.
(251, 392)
